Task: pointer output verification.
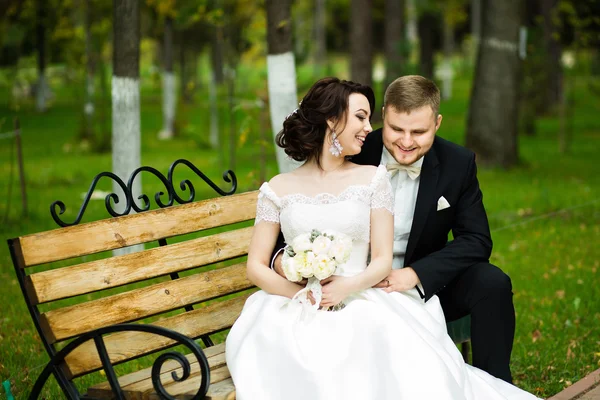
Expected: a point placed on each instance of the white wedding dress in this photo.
(380, 346)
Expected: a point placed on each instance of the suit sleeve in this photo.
(279, 245)
(472, 240)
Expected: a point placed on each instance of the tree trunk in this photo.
(214, 111)
(88, 109)
(183, 70)
(475, 27)
(411, 23)
(169, 96)
(493, 112)
(361, 42)
(446, 72)
(126, 95)
(394, 25)
(283, 97)
(232, 124)
(320, 38)
(216, 54)
(42, 85)
(553, 50)
(425, 25)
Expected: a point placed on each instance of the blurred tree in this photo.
(41, 88)
(90, 55)
(126, 92)
(475, 27)
(493, 110)
(169, 87)
(320, 37)
(361, 42)
(283, 97)
(394, 39)
(427, 20)
(166, 11)
(549, 10)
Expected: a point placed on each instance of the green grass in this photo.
(544, 215)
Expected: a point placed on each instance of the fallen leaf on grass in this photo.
(535, 335)
(560, 294)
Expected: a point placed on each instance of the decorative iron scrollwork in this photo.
(97, 335)
(112, 198)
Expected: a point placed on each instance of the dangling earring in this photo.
(335, 148)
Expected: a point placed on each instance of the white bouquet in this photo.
(316, 256)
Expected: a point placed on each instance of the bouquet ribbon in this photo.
(314, 286)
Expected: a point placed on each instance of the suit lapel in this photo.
(425, 201)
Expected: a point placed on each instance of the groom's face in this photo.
(409, 135)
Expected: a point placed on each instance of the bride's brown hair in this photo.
(304, 130)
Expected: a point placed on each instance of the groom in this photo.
(437, 192)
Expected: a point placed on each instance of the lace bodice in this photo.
(348, 212)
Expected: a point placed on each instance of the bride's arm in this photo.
(257, 268)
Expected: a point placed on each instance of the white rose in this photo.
(305, 264)
(340, 250)
(321, 245)
(290, 268)
(301, 243)
(324, 267)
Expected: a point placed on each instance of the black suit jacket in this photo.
(448, 170)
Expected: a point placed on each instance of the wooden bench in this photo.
(124, 307)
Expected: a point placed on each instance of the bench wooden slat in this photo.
(224, 390)
(145, 388)
(188, 388)
(110, 234)
(125, 345)
(116, 271)
(139, 384)
(140, 303)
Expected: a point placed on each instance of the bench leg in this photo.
(465, 348)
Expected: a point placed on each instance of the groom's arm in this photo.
(472, 240)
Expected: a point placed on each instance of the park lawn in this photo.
(544, 216)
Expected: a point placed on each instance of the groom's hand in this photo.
(399, 280)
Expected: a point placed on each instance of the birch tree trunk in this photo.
(126, 97)
(394, 25)
(283, 96)
(169, 95)
(361, 42)
(493, 113)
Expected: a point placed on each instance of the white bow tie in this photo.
(412, 171)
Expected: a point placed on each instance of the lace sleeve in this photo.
(382, 195)
(267, 206)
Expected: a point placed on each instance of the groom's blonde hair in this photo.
(411, 92)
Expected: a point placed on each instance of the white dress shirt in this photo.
(405, 199)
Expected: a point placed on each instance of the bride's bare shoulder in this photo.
(282, 183)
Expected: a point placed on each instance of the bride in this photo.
(376, 345)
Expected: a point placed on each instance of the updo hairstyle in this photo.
(303, 132)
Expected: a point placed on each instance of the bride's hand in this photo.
(335, 290)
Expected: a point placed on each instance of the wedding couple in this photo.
(397, 198)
